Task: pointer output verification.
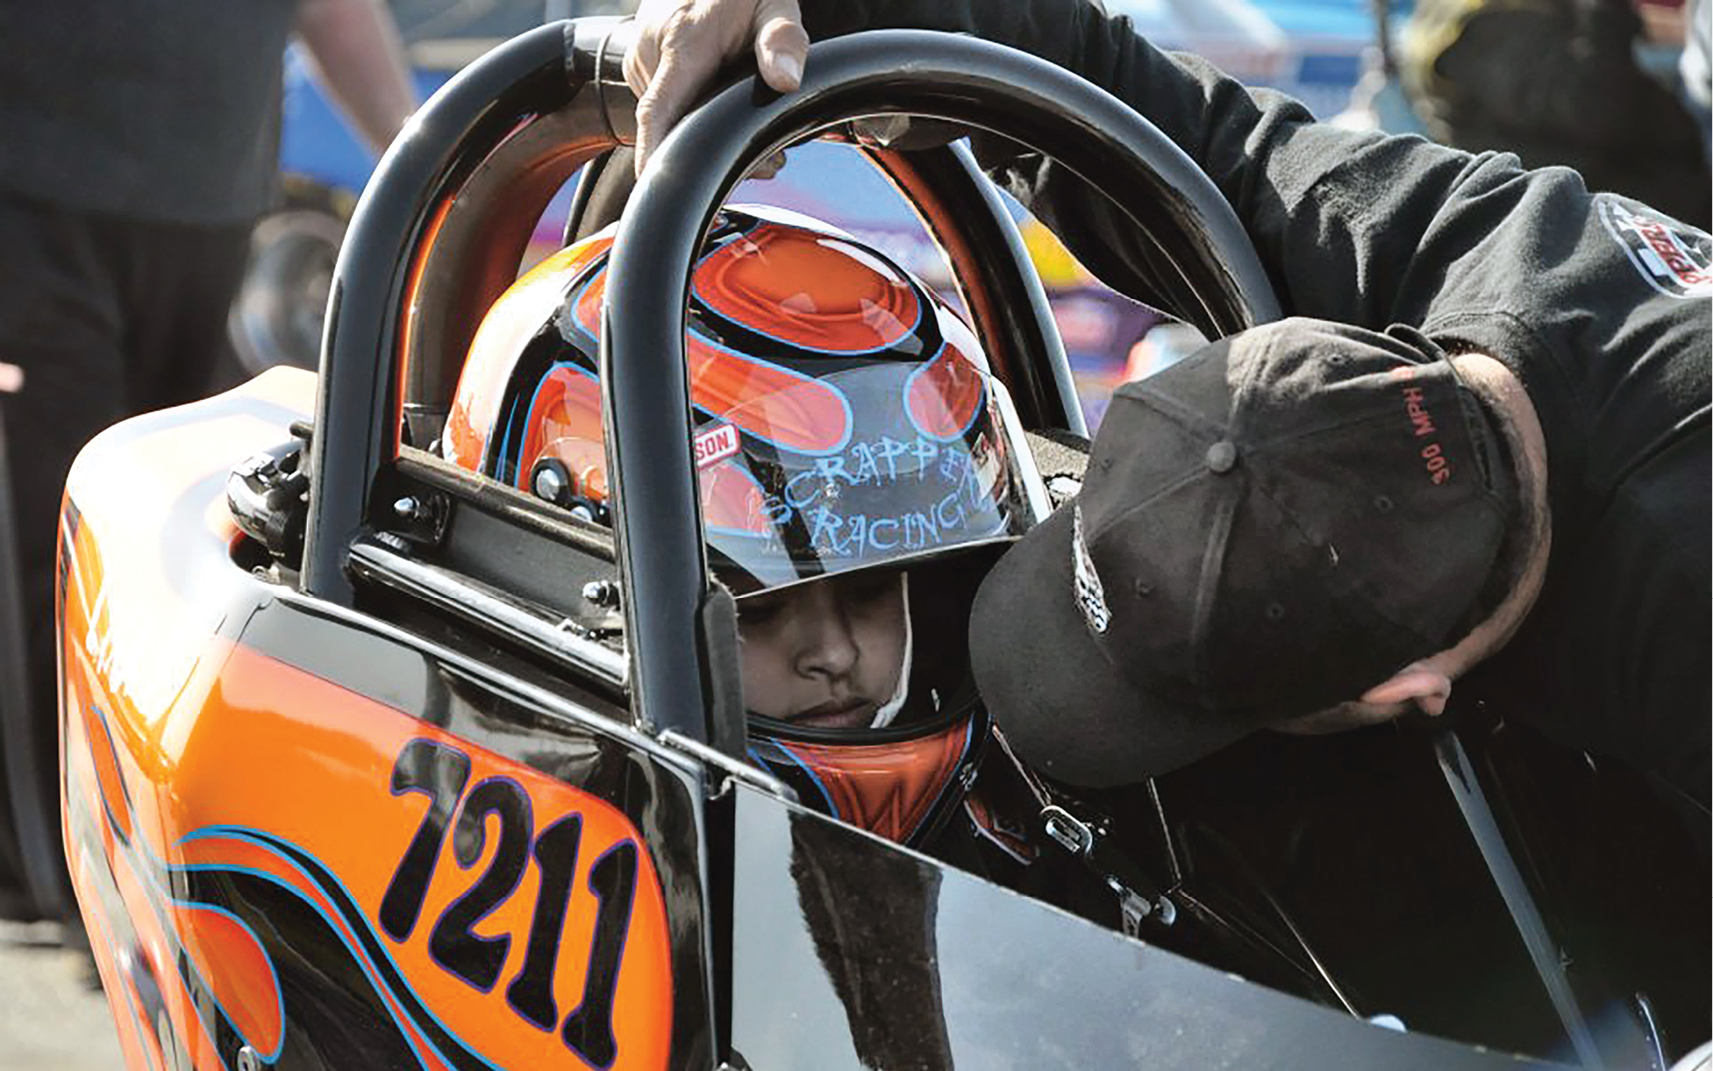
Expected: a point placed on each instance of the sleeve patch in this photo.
(1672, 257)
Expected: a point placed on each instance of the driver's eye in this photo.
(760, 609)
(869, 586)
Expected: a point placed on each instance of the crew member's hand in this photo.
(1420, 686)
(680, 44)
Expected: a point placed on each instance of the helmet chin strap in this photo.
(883, 717)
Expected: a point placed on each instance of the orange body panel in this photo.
(191, 760)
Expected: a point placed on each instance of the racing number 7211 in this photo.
(441, 773)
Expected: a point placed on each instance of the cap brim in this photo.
(1060, 702)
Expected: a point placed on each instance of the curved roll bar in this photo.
(356, 411)
(520, 120)
(883, 72)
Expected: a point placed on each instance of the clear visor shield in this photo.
(885, 462)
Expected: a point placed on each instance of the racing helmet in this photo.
(844, 418)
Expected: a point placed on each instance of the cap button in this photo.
(1221, 456)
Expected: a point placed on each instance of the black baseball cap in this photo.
(1269, 528)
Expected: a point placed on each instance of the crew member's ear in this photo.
(1419, 683)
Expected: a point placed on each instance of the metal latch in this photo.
(268, 496)
(1138, 897)
(1069, 830)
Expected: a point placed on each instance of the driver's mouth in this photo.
(838, 714)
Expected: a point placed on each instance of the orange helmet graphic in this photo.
(844, 418)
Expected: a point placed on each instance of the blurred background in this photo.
(1617, 88)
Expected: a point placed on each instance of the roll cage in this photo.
(437, 238)
(629, 613)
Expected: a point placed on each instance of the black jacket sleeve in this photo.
(1596, 302)
(1336, 215)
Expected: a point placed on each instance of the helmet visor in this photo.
(883, 462)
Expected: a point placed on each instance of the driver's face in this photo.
(825, 653)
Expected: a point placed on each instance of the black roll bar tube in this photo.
(357, 407)
(1009, 306)
(644, 390)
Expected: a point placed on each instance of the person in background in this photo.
(1696, 71)
(1558, 82)
(140, 145)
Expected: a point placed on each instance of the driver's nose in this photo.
(826, 646)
